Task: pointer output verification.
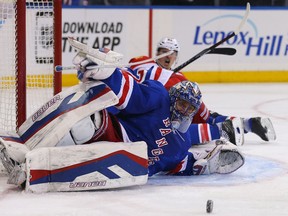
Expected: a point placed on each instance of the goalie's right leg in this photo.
(48, 125)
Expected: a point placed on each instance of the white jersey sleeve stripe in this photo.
(204, 133)
(125, 92)
(160, 74)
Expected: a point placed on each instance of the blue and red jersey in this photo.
(144, 113)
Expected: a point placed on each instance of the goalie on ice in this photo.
(151, 133)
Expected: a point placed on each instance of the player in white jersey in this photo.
(260, 126)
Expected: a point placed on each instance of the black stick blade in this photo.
(223, 51)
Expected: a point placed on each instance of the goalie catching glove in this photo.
(223, 159)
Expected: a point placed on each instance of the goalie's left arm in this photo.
(224, 158)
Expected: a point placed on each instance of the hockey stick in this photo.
(92, 52)
(223, 51)
(211, 48)
(59, 68)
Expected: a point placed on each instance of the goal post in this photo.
(30, 48)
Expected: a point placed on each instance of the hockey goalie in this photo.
(111, 131)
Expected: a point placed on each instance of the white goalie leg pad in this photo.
(82, 131)
(223, 159)
(49, 124)
(101, 165)
(67, 140)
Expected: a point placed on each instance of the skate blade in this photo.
(267, 123)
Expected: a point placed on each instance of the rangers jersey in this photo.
(144, 114)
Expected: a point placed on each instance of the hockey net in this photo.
(27, 60)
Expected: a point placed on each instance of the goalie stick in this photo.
(95, 53)
(59, 68)
(213, 47)
(80, 47)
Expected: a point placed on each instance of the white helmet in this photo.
(168, 43)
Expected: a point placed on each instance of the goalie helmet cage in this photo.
(30, 47)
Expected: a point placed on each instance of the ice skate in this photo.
(238, 126)
(16, 174)
(7, 162)
(263, 127)
(233, 131)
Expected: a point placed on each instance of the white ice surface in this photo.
(260, 187)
